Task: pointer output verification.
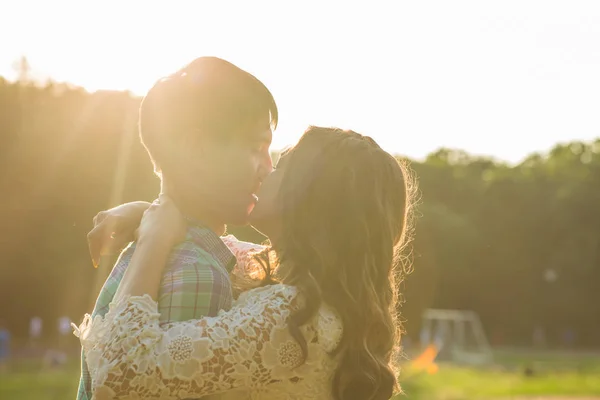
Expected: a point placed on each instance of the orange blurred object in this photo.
(426, 360)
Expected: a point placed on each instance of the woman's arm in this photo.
(129, 354)
(114, 229)
(162, 227)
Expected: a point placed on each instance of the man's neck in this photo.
(216, 227)
(194, 210)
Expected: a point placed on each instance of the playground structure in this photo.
(456, 336)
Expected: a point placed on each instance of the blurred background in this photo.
(496, 104)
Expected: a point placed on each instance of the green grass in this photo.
(454, 383)
(555, 375)
(27, 381)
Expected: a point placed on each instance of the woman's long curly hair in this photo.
(345, 216)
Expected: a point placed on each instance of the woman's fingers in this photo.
(110, 234)
(99, 217)
(114, 228)
(163, 222)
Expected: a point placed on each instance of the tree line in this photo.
(520, 245)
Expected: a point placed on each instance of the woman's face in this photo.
(286, 186)
(267, 213)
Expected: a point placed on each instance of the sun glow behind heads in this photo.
(502, 78)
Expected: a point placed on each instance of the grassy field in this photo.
(28, 381)
(555, 375)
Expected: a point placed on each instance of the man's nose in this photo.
(265, 168)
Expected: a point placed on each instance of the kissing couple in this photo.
(189, 312)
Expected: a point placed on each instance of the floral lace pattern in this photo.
(247, 272)
(247, 348)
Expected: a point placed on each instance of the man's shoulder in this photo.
(191, 252)
(194, 284)
(186, 252)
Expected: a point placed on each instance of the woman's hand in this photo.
(163, 224)
(162, 227)
(114, 228)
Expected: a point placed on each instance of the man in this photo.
(207, 129)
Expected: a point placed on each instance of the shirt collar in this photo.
(207, 239)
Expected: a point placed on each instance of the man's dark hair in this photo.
(209, 96)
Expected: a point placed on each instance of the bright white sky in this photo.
(501, 78)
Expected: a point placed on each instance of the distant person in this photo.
(56, 357)
(539, 337)
(64, 332)
(569, 338)
(64, 326)
(35, 331)
(4, 346)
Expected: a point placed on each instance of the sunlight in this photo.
(416, 77)
(503, 249)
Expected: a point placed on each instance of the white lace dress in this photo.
(246, 352)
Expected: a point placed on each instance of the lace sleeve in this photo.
(129, 354)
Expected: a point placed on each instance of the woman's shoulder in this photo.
(326, 323)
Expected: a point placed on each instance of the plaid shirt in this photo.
(195, 284)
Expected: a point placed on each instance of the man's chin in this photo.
(239, 220)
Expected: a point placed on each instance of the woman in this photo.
(323, 323)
